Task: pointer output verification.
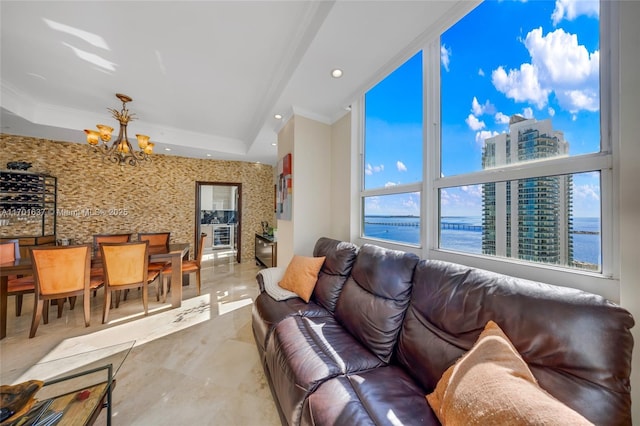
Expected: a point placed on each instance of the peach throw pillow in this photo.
(301, 275)
(492, 385)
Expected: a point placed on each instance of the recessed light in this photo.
(274, 144)
(167, 149)
(336, 73)
(278, 117)
(208, 155)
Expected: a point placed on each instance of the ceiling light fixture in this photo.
(120, 151)
(336, 73)
(278, 117)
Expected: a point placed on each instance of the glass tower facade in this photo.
(529, 219)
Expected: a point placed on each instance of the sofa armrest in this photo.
(272, 274)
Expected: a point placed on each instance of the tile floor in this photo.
(194, 365)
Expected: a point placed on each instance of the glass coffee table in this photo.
(76, 387)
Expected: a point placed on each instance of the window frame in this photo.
(606, 282)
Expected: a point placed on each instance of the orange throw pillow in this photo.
(301, 275)
(492, 385)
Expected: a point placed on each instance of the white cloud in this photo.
(474, 123)
(478, 109)
(481, 72)
(401, 167)
(586, 192)
(502, 118)
(571, 9)
(521, 85)
(558, 64)
(445, 53)
(551, 111)
(527, 113)
(369, 169)
(484, 134)
(389, 184)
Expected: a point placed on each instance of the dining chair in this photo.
(60, 272)
(126, 266)
(155, 238)
(97, 272)
(188, 266)
(16, 285)
(109, 238)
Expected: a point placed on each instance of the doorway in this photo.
(219, 215)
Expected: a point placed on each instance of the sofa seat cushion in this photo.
(267, 312)
(383, 396)
(303, 352)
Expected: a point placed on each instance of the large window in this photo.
(393, 156)
(519, 167)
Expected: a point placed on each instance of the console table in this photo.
(266, 248)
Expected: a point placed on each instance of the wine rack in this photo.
(27, 204)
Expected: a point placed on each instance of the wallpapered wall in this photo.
(96, 197)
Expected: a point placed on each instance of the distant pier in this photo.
(451, 225)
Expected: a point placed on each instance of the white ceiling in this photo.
(206, 77)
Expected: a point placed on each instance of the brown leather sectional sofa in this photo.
(382, 326)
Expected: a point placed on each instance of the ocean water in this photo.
(468, 239)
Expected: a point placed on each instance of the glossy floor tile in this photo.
(197, 364)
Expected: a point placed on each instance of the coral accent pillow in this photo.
(492, 385)
(301, 275)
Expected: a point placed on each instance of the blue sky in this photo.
(538, 59)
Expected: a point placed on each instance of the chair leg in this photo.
(45, 312)
(87, 307)
(18, 305)
(107, 305)
(60, 303)
(198, 280)
(118, 298)
(145, 299)
(72, 302)
(164, 279)
(37, 313)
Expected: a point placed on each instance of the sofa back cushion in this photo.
(375, 297)
(339, 259)
(577, 344)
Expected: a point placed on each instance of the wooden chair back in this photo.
(155, 238)
(203, 236)
(7, 251)
(61, 271)
(125, 264)
(109, 238)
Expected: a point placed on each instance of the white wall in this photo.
(340, 178)
(309, 142)
(628, 162)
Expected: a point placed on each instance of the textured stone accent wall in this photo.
(95, 197)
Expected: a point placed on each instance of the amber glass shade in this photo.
(149, 148)
(105, 132)
(93, 137)
(123, 147)
(143, 141)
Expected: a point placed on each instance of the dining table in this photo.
(173, 253)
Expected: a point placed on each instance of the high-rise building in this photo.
(529, 219)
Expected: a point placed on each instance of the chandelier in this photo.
(120, 151)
